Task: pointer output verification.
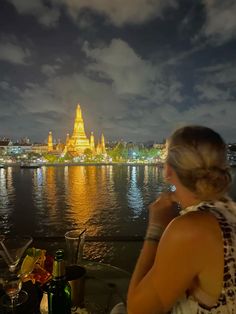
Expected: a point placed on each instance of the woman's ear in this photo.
(168, 173)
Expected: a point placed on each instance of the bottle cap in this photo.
(58, 265)
(59, 255)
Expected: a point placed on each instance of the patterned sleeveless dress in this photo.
(225, 212)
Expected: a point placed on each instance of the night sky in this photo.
(138, 68)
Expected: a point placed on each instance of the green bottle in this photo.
(59, 291)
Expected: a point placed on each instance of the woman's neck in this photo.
(185, 197)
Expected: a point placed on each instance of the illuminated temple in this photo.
(79, 142)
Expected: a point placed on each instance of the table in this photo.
(105, 286)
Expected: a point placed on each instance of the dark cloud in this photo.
(220, 24)
(49, 70)
(117, 12)
(13, 52)
(47, 16)
(218, 82)
(121, 12)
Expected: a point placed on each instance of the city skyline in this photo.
(139, 69)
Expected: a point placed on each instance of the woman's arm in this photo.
(143, 266)
(163, 273)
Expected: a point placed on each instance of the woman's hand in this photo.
(163, 209)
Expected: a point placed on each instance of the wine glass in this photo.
(12, 249)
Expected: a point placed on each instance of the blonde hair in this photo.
(199, 156)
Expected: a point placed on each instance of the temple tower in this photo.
(50, 142)
(103, 148)
(59, 146)
(78, 141)
(98, 149)
(67, 138)
(92, 145)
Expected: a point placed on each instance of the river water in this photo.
(108, 200)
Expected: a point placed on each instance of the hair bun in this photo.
(210, 172)
(212, 182)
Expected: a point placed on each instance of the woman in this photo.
(187, 264)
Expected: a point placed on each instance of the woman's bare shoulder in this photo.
(193, 226)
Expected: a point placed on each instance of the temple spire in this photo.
(78, 125)
(92, 145)
(78, 142)
(50, 142)
(103, 147)
(78, 113)
(67, 138)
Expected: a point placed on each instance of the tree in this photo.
(118, 153)
(88, 154)
(51, 158)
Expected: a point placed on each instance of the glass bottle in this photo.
(59, 290)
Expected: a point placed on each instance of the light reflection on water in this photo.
(108, 200)
(135, 199)
(6, 198)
